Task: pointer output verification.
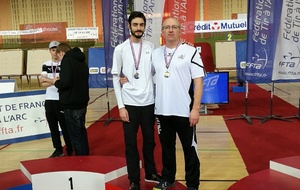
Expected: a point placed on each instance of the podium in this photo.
(75, 172)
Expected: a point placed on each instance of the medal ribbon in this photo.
(52, 69)
(136, 61)
(165, 54)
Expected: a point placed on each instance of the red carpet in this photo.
(258, 104)
(12, 179)
(259, 143)
(109, 140)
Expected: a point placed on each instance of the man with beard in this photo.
(135, 98)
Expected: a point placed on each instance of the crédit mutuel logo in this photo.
(220, 25)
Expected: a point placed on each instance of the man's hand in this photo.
(124, 114)
(123, 80)
(194, 117)
(42, 78)
(45, 81)
(54, 80)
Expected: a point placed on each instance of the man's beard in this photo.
(137, 36)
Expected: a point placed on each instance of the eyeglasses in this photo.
(168, 27)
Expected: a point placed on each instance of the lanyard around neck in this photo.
(136, 60)
(165, 55)
(52, 68)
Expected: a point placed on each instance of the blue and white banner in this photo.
(153, 10)
(240, 55)
(115, 30)
(22, 117)
(287, 57)
(263, 26)
(97, 69)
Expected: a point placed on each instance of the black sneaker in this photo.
(69, 153)
(134, 186)
(153, 178)
(191, 188)
(57, 153)
(163, 185)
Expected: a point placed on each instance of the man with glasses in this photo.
(176, 66)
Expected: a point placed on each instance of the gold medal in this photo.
(136, 75)
(167, 74)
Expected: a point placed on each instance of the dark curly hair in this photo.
(136, 14)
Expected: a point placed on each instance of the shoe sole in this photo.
(173, 185)
(151, 181)
(61, 155)
(163, 188)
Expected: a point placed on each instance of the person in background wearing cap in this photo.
(54, 113)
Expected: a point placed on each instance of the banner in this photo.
(22, 117)
(240, 55)
(220, 25)
(115, 30)
(50, 31)
(20, 32)
(77, 33)
(287, 57)
(184, 12)
(97, 70)
(263, 26)
(153, 11)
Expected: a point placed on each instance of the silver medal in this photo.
(136, 75)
